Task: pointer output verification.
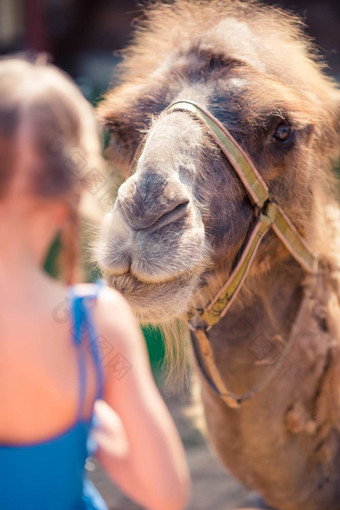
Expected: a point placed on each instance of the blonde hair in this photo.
(64, 135)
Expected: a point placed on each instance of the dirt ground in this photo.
(212, 487)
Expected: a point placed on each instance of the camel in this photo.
(186, 220)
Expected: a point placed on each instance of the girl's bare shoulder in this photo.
(113, 314)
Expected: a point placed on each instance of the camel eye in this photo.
(284, 133)
(215, 63)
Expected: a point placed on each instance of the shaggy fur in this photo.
(180, 220)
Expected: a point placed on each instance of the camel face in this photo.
(182, 216)
(157, 248)
(173, 218)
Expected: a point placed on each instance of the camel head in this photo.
(181, 217)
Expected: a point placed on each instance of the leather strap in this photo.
(250, 177)
(219, 306)
(271, 215)
(212, 375)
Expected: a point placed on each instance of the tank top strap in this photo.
(83, 326)
(94, 338)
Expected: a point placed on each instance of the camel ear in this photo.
(336, 124)
(326, 129)
(336, 155)
(337, 127)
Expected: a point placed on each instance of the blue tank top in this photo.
(51, 475)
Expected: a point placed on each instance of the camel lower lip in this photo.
(129, 282)
(149, 300)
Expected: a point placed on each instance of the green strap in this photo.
(293, 241)
(271, 215)
(219, 306)
(253, 182)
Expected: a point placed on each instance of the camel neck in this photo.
(253, 335)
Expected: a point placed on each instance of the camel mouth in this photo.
(129, 282)
(133, 278)
(154, 255)
(149, 299)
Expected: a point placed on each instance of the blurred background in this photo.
(84, 37)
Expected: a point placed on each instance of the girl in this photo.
(63, 347)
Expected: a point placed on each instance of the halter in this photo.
(269, 216)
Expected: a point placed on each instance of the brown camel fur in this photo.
(181, 218)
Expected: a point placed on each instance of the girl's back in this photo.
(49, 411)
(39, 365)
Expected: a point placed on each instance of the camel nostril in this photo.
(158, 219)
(153, 201)
(176, 214)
